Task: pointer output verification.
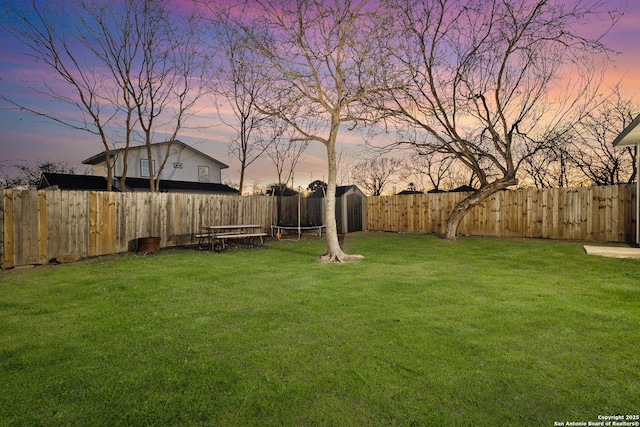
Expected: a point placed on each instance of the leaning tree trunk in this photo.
(465, 205)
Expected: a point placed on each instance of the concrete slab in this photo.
(613, 251)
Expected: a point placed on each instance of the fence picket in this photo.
(8, 258)
(42, 227)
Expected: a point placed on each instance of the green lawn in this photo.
(421, 332)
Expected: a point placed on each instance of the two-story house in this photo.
(186, 170)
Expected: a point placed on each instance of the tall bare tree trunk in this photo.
(152, 179)
(334, 252)
(107, 154)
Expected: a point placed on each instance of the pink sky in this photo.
(26, 138)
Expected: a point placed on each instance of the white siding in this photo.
(99, 169)
(180, 155)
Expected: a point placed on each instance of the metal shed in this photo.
(351, 208)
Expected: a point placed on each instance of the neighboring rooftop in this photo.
(65, 181)
(168, 186)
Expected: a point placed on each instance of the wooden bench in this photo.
(201, 238)
(206, 237)
(220, 233)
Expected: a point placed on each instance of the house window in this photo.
(203, 173)
(144, 167)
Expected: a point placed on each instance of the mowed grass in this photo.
(421, 332)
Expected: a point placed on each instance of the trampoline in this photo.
(276, 230)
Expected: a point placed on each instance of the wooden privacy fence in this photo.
(591, 214)
(38, 226)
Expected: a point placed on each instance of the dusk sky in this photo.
(25, 138)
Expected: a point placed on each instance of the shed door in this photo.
(354, 212)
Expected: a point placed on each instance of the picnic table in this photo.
(220, 233)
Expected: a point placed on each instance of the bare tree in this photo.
(53, 38)
(320, 59)
(109, 36)
(374, 174)
(153, 56)
(124, 68)
(547, 168)
(285, 153)
(552, 167)
(168, 75)
(483, 80)
(582, 154)
(591, 149)
(30, 175)
(432, 171)
(239, 83)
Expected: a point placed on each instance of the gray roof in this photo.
(63, 181)
(166, 185)
(341, 190)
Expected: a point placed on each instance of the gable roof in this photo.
(101, 157)
(630, 135)
(341, 190)
(65, 181)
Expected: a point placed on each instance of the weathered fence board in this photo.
(7, 230)
(38, 226)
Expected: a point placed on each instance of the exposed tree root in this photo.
(339, 258)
